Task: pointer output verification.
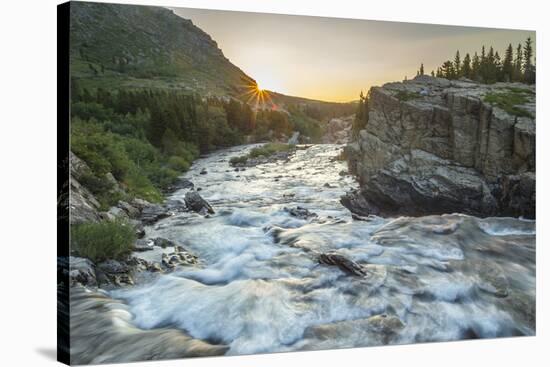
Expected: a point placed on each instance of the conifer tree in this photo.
(507, 64)
(518, 63)
(476, 65)
(447, 70)
(457, 65)
(498, 68)
(528, 68)
(466, 67)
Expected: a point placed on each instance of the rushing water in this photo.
(259, 286)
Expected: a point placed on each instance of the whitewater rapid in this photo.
(259, 286)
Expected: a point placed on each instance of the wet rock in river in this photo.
(82, 271)
(163, 242)
(356, 203)
(182, 183)
(153, 213)
(113, 267)
(300, 212)
(346, 265)
(375, 330)
(203, 171)
(143, 245)
(154, 267)
(195, 202)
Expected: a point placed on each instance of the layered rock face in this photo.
(433, 146)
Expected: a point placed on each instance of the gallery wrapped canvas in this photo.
(236, 183)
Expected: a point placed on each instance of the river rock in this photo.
(139, 203)
(163, 242)
(357, 204)
(113, 267)
(131, 211)
(143, 245)
(182, 183)
(152, 213)
(445, 150)
(346, 265)
(300, 212)
(83, 271)
(116, 213)
(195, 202)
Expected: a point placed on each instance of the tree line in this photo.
(517, 65)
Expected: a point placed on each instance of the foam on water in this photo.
(261, 288)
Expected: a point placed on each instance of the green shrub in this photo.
(269, 149)
(178, 163)
(238, 160)
(102, 241)
(509, 101)
(139, 184)
(162, 177)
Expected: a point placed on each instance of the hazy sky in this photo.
(334, 59)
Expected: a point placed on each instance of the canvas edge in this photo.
(63, 117)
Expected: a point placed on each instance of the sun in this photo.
(255, 95)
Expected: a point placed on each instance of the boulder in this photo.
(196, 203)
(83, 271)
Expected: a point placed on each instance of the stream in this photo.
(259, 286)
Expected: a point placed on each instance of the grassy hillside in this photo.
(147, 47)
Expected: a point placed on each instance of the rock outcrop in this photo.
(435, 146)
(83, 206)
(339, 130)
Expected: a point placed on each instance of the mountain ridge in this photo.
(140, 46)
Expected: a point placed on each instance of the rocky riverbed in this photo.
(266, 259)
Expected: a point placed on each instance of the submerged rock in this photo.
(163, 242)
(195, 202)
(346, 265)
(300, 212)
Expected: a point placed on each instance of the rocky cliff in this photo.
(339, 130)
(436, 146)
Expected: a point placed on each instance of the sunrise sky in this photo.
(334, 59)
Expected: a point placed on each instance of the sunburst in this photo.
(260, 98)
